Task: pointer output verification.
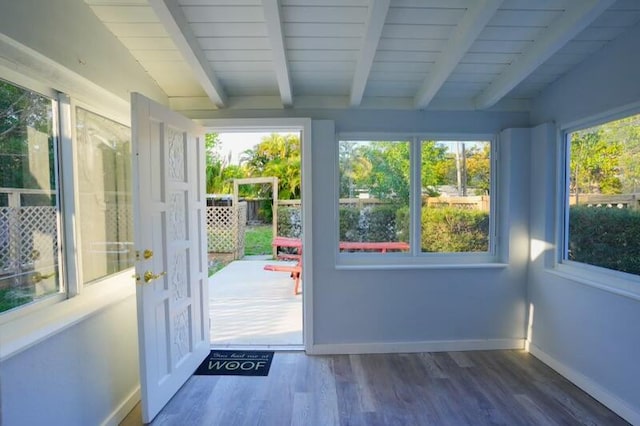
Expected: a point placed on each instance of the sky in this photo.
(237, 143)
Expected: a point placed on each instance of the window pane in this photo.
(455, 196)
(374, 196)
(604, 178)
(29, 236)
(104, 186)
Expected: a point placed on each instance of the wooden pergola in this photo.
(274, 207)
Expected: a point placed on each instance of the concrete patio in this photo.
(253, 307)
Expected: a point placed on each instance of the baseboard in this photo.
(408, 347)
(123, 409)
(611, 401)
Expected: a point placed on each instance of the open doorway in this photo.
(254, 196)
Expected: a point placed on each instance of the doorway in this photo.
(252, 298)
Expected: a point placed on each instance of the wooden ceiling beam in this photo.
(466, 33)
(276, 40)
(373, 30)
(175, 23)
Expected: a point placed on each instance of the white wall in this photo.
(419, 309)
(81, 376)
(84, 374)
(589, 334)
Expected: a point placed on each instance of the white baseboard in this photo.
(123, 409)
(408, 347)
(611, 401)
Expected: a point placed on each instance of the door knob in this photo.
(150, 276)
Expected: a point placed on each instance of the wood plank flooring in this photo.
(444, 388)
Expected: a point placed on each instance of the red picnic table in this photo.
(379, 246)
(296, 270)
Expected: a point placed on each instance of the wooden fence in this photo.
(477, 202)
(626, 201)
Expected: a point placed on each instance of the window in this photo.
(31, 242)
(103, 150)
(603, 181)
(456, 181)
(374, 194)
(29, 220)
(415, 196)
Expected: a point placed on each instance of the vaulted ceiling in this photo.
(396, 54)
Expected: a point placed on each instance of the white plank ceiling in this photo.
(398, 54)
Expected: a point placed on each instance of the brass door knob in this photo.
(150, 276)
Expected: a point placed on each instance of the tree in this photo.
(21, 110)
(626, 131)
(383, 168)
(479, 169)
(594, 163)
(219, 173)
(277, 155)
(436, 165)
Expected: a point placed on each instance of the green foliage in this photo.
(13, 297)
(257, 240)
(376, 223)
(289, 222)
(594, 163)
(349, 227)
(20, 111)
(454, 230)
(383, 168)
(606, 237)
(219, 173)
(479, 169)
(434, 166)
(276, 155)
(444, 229)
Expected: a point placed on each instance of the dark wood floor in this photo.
(445, 388)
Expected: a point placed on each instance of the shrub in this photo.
(454, 230)
(403, 224)
(349, 217)
(606, 237)
(371, 223)
(289, 222)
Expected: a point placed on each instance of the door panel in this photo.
(172, 290)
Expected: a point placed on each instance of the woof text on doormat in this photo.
(236, 363)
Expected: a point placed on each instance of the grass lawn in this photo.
(258, 240)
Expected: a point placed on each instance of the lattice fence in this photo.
(27, 235)
(226, 228)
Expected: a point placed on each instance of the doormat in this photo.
(236, 363)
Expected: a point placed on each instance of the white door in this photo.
(169, 212)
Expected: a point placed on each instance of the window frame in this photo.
(27, 325)
(56, 133)
(78, 272)
(415, 258)
(617, 282)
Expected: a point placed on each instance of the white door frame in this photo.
(302, 125)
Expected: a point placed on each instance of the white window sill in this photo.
(394, 261)
(28, 330)
(620, 283)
